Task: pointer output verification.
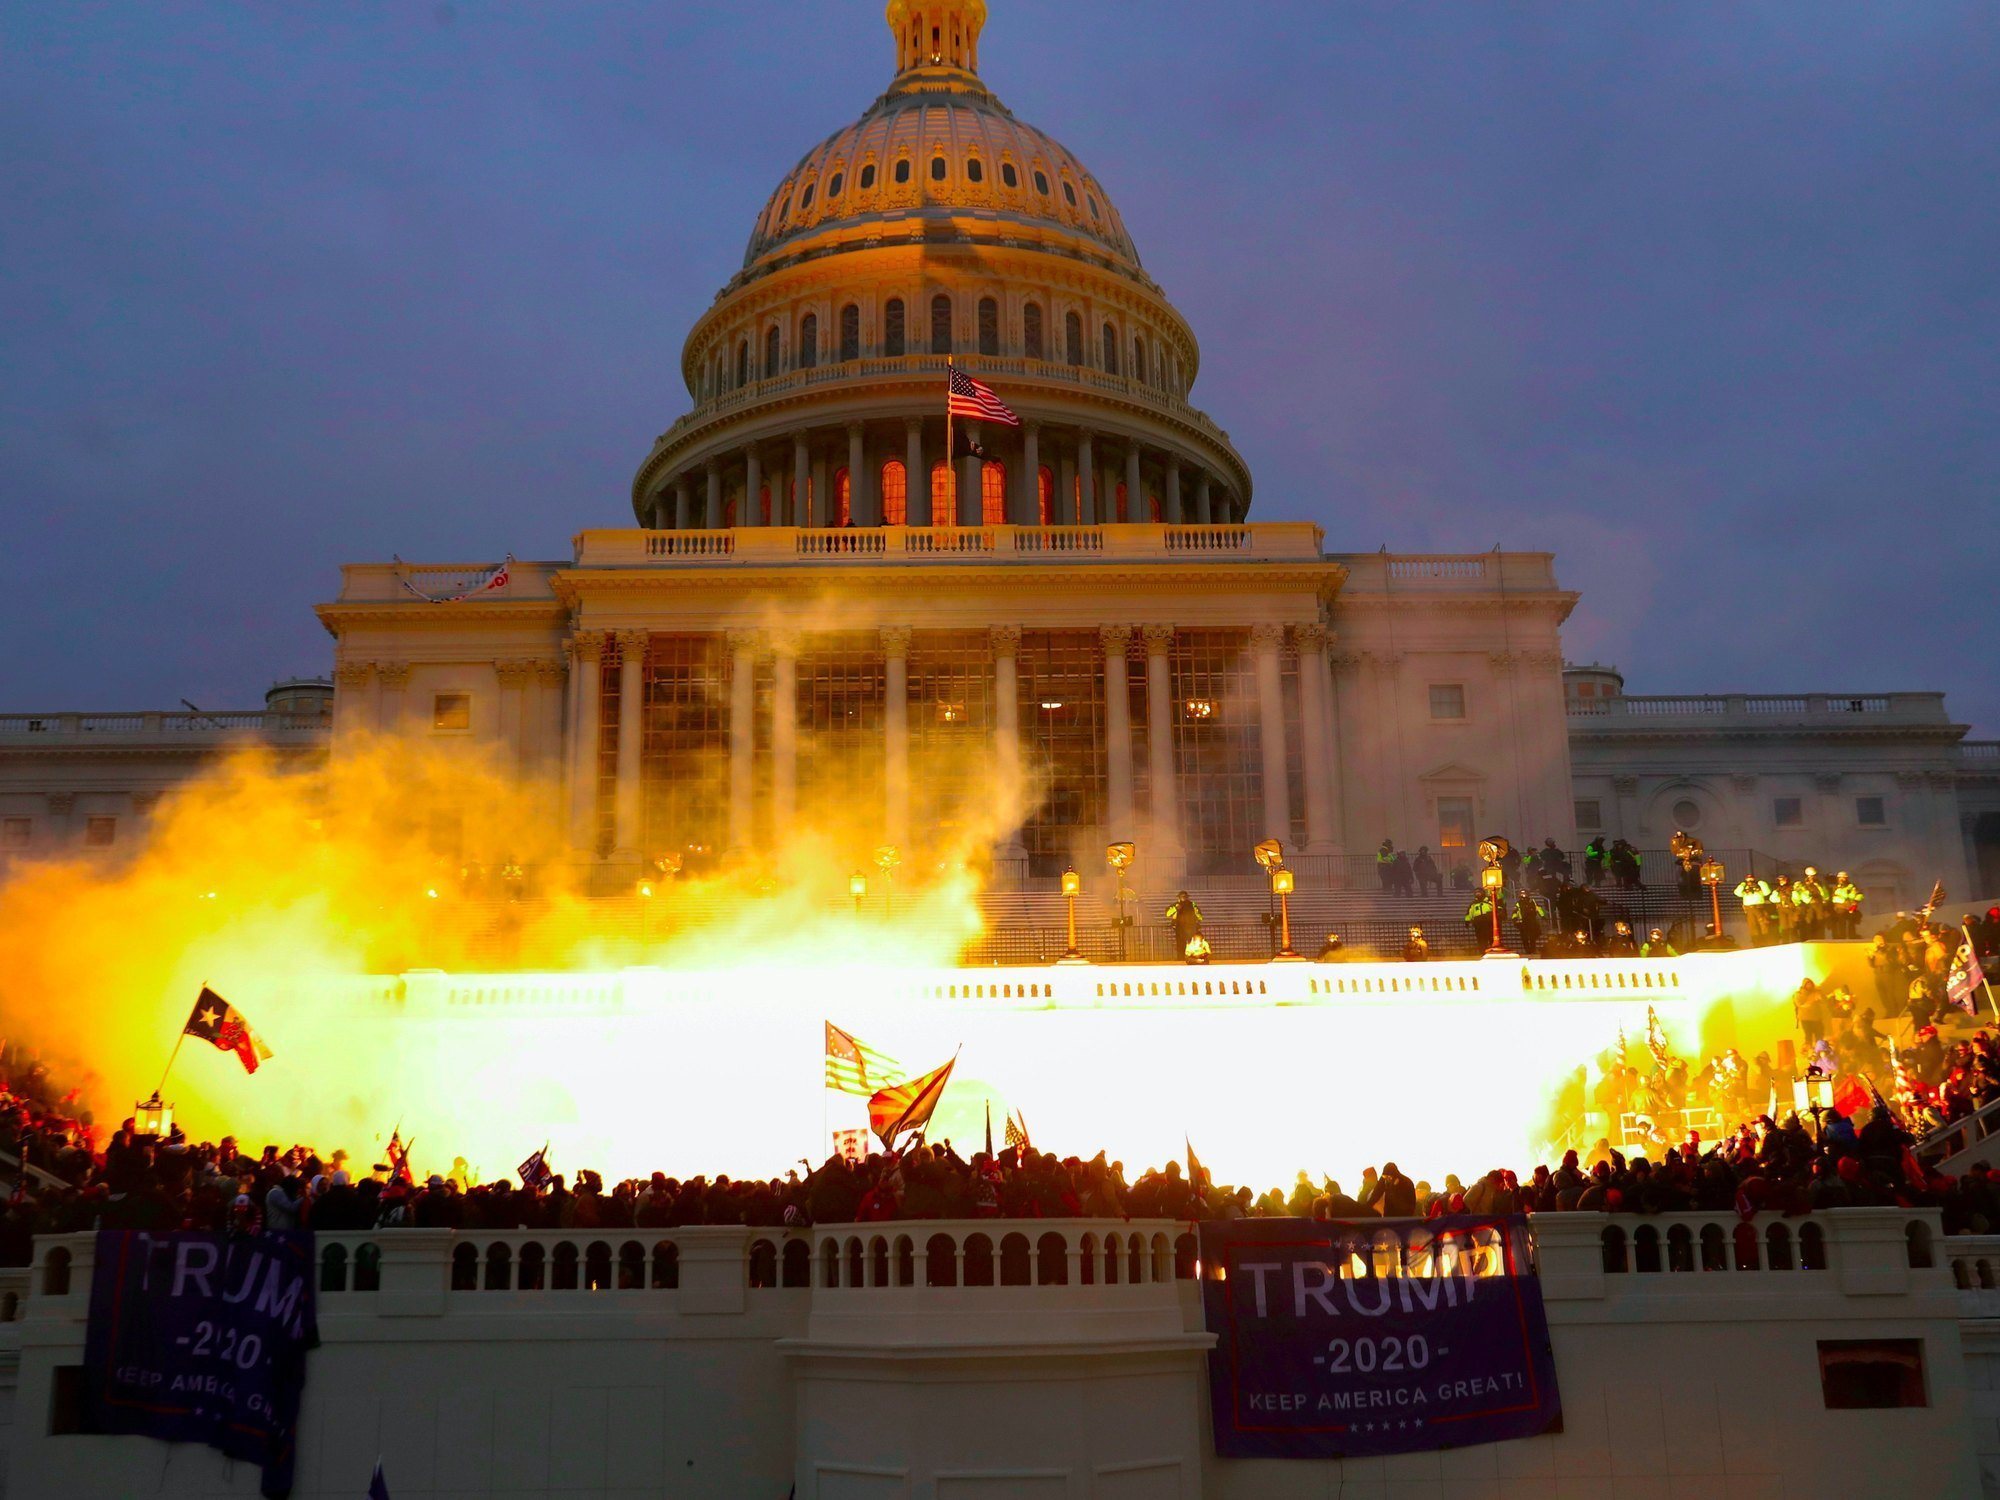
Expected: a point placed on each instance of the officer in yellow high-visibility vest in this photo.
(1845, 902)
(1755, 894)
(1809, 897)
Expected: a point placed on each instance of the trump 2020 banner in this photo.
(202, 1338)
(1354, 1338)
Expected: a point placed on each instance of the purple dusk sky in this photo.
(1701, 297)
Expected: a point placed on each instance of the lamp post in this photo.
(1281, 886)
(151, 1119)
(1493, 881)
(1072, 884)
(1270, 857)
(1119, 856)
(857, 887)
(1711, 876)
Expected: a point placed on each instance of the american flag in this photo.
(854, 1067)
(974, 399)
(1017, 1132)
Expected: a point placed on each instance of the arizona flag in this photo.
(908, 1106)
(218, 1023)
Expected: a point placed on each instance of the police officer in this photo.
(1755, 894)
(1385, 863)
(1809, 896)
(1845, 903)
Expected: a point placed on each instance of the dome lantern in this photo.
(937, 33)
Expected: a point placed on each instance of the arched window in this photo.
(1008, 175)
(850, 331)
(1069, 193)
(1042, 183)
(989, 326)
(771, 344)
(809, 341)
(806, 198)
(1124, 503)
(993, 494)
(784, 207)
(893, 342)
(835, 183)
(903, 169)
(937, 169)
(944, 494)
(868, 177)
(1073, 338)
(1031, 330)
(895, 493)
(1089, 198)
(843, 499)
(940, 324)
(975, 170)
(743, 363)
(1045, 493)
(1110, 350)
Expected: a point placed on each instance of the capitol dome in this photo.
(938, 229)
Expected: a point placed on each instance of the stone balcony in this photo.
(164, 730)
(1746, 711)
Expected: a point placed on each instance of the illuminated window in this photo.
(850, 332)
(989, 326)
(892, 328)
(1045, 488)
(941, 324)
(1454, 822)
(1218, 758)
(1124, 500)
(100, 833)
(1153, 512)
(1031, 330)
(764, 504)
(1447, 700)
(840, 697)
(684, 743)
(1060, 679)
(993, 494)
(843, 499)
(951, 725)
(451, 711)
(809, 341)
(895, 493)
(1871, 812)
(944, 494)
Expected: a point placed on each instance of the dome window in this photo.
(989, 326)
(806, 200)
(937, 169)
(1042, 184)
(771, 348)
(835, 183)
(1031, 330)
(868, 177)
(941, 324)
(1088, 198)
(850, 332)
(975, 170)
(809, 341)
(1110, 350)
(894, 343)
(1008, 175)
(903, 170)
(1073, 334)
(784, 208)
(1069, 192)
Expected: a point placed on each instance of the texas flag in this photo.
(218, 1023)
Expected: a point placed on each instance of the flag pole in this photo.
(173, 1055)
(950, 454)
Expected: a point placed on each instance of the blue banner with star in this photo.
(1345, 1339)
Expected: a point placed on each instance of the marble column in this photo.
(712, 517)
(802, 496)
(917, 482)
(1160, 738)
(1029, 511)
(1065, 507)
(970, 510)
(631, 727)
(1315, 724)
(1172, 498)
(742, 735)
(1086, 473)
(1117, 733)
(353, 714)
(587, 648)
(515, 679)
(1204, 507)
(860, 500)
(1268, 642)
(683, 504)
(546, 714)
(1136, 508)
(784, 732)
(751, 512)
(1006, 644)
(896, 733)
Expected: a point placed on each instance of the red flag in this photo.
(1851, 1096)
(908, 1106)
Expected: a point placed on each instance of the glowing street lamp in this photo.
(1072, 886)
(857, 887)
(1711, 876)
(1282, 885)
(1493, 881)
(151, 1119)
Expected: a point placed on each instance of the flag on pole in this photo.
(1656, 1040)
(378, 1487)
(1966, 977)
(989, 1127)
(535, 1173)
(1197, 1174)
(1936, 899)
(218, 1023)
(974, 399)
(853, 1067)
(398, 1152)
(1017, 1132)
(907, 1106)
(1851, 1096)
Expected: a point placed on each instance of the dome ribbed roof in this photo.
(938, 120)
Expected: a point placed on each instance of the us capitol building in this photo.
(820, 612)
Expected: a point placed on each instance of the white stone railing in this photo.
(776, 546)
(1923, 708)
(177, 724)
